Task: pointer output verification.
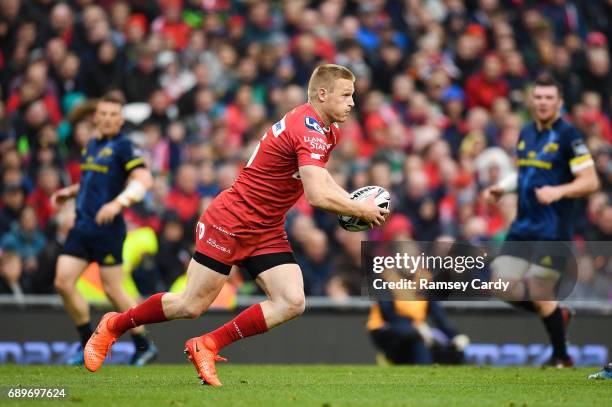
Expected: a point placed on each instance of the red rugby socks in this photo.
(148, 312)
(249, 322)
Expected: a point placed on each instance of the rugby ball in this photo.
(382, 199)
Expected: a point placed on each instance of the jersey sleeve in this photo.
(304, 149)
(578, 154)
(130, 156)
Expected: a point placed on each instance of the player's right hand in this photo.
(107, 212)
(373, 214)
(59, 197)
(492, 194)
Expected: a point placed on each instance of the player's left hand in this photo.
(107, 213)
(548, 194)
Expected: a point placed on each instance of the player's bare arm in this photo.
(321, 193)
(138, 183)
(334, 184)
(494, 192)
(584, 183)
(59, 197)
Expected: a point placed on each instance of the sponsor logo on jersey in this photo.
(579, 147)
(315, 156)
(220, 229)
(312, 124)
(546, 261)
(217, 246)
(105, 152)
(551, 148)
(279, 127)
(201, 230)
(317, 143)
(137, 151)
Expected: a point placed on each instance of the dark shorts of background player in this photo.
(223, 239)
(104, 248)
(556, 255)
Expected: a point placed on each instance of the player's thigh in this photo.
(68, 270)
(283, 284)
(509, 268)
(542, 282)
(112, 277)
(204, 282)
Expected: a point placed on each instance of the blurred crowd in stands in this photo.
(440, 99)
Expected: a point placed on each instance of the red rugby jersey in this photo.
(269, 185)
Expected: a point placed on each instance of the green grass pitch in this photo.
(313, 385)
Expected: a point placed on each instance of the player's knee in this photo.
(63, 285)
(184, 305)
(508, 268)
(112, 291)
(515, 291)
(294, 304)
(191, 310)
(545, 308)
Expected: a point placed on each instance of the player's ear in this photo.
(322, 92)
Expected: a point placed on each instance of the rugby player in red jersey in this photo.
(244, 225)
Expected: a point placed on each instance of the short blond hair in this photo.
(324, 76)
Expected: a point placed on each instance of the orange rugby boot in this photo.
(99, 344)
(202, 352)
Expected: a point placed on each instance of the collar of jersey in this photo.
(311, 107)
(548, 127)
(103, 139)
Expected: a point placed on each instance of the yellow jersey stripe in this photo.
(133, 163)
(529, 162)
(580, 159)
(94, 167)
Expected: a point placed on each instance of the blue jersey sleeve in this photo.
(576, 151)
(130, 157)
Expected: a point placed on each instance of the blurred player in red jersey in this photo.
(245, 226)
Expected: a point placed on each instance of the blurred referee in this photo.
(113, 176)
(555, 168)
